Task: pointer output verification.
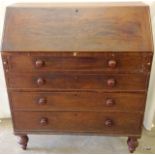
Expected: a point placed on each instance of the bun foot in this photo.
(23, 141)
(132, 144)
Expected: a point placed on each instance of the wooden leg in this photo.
(132, 144)
(23, 141)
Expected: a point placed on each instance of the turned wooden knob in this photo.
(40, 81)
(108, 123)
(109, 102)
(42, 101)
(44, 121)
(111, 82)
(112, 63)
(39, 63)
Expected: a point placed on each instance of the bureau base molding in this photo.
(73, 133)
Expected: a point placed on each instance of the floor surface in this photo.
(71, 144)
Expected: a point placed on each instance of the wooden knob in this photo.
(108, 123)
(42, 101)
(40, 81)
(112, 63)
(44, 121)
(39, 63)
(111, 82)
(109, 102)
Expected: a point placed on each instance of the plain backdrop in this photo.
(150, 106)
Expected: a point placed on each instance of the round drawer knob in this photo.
(108, 123)
(112, 63)
(39, 63)
(109, 102)
(111, 82)
(42, 101)
(40, 81)
(44, 121)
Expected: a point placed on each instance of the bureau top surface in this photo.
(77, 27)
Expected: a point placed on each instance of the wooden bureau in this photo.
(77, 68)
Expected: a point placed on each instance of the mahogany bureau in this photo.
(77, 68)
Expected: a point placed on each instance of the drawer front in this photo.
(74, 101)
(122, 62)
(56, 81)
(112, 123)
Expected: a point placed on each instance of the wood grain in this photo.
(63, 81)
(77, 28)
(77, 101)
(79, 122)
(126, 62)
(77, 68)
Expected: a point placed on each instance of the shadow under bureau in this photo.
(77, 68)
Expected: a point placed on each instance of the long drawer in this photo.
(59, 81)
(77, 101)
(120, 62)
(112, 123)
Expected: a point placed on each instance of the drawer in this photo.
(112, 123)
(60, 81)
(77, 101)
(122, 62)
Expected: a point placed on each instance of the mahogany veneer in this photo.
(78, 68)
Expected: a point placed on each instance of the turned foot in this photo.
(132, 143)
(23, 141)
